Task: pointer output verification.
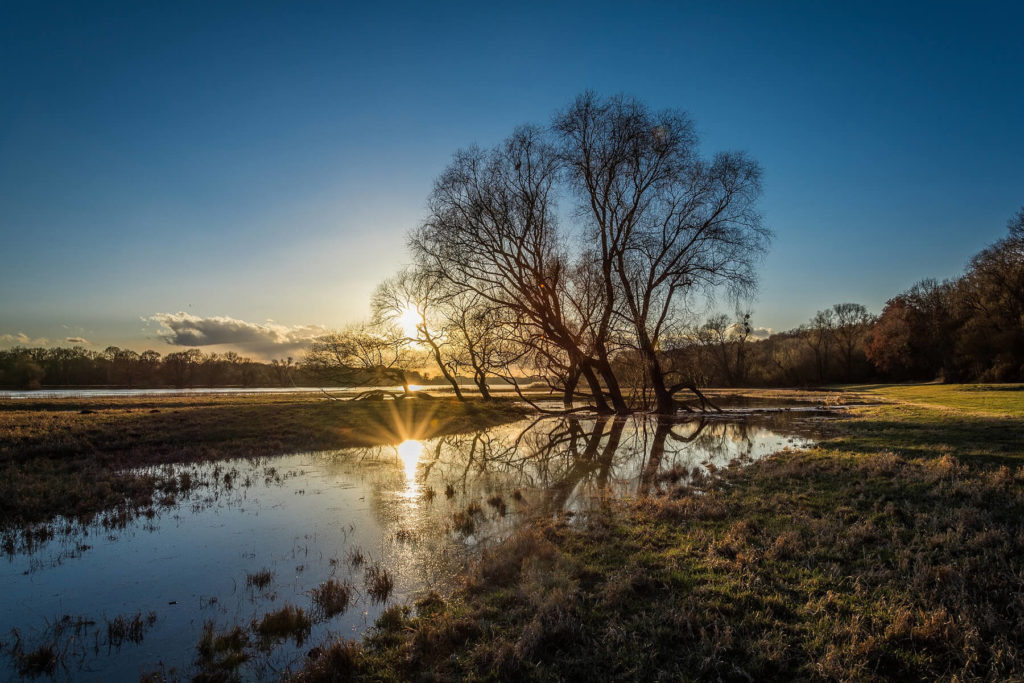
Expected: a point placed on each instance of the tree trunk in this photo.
(571, 380)
(481, 383)
(595, 389)
(611, 383)
(444, 369)
(664, 403)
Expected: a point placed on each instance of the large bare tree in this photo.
(492, 231)
(657, 227)
(670, 224)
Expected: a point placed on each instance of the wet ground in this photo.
(246, 537)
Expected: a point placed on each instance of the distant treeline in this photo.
(968, 329)
(32, 368)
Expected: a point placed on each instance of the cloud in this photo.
(22, 339)
(267, 339)
(757, 333)
(77, 340)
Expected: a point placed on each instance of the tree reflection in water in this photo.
(566, 463)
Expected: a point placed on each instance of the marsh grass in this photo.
(465, 520)
(132, 629)
(67, 640)
(498, 503)
(379, 582)
(259, 580)
(220, 653)
(338, 661)
(890, 552)
(33, 661)
(332, 597)
(288, 622)
(356, 558)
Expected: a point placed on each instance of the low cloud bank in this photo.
(22, 339)
(268, 339)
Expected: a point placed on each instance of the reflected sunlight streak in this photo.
(409, 452)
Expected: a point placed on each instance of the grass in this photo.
(379, 582)
(893, 550)
(287, 622)
(122, 629)
(259, 580)
(220, 653)
(988, 400)
(71, 457)
(332, 597)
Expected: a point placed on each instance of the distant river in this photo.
(334, 391)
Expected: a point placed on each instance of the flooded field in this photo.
(256, 561)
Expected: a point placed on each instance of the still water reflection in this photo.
(419, 510)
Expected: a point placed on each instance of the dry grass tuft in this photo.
(287, 622)
(259, 580)
(379, 582)
(332, 597)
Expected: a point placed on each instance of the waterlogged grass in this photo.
(289, 622)
(69, 456)
(379, 582)
(891, 551)
(220, 653)
(67, 640)
(332, 597)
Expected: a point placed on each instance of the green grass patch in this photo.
(993, 400)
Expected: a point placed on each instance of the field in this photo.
(893, 550)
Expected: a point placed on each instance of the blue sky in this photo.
(260, 161)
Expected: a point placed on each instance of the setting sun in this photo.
(409, 321)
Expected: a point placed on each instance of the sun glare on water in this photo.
(409, 453)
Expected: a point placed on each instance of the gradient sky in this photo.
(263, 161)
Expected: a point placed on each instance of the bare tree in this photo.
(418, 296)
(284, 370)
(660, 225)
(669, 223)
(362, 354)
(483, 338)
(727, 342)
(819, 336)
(492, 231)
(852, 322)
